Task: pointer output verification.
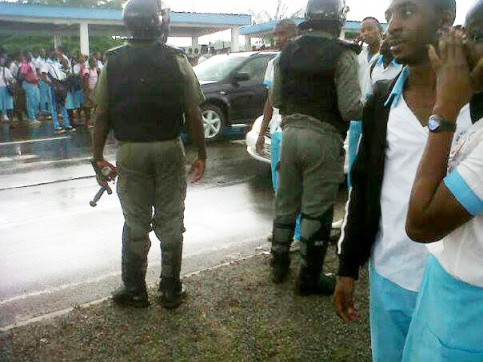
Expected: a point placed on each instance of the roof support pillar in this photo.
(84, 38)
(248, 42)
(195, 41)
(235, 39)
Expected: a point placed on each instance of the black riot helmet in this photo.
(329, 12)
(146, 19)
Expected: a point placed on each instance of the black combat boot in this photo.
(281, 241)
(171, 293)
(134, 266)
(280, 264)
(137, 299)
(310, 279)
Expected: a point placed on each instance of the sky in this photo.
(359, 9)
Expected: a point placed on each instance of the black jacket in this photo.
(364, 211)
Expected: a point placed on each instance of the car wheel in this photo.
(213, 121)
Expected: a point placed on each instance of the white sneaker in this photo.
(5, 118)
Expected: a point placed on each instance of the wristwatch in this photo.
(438, 124)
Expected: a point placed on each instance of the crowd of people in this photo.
(411, 99)
(49, 85)
(413, 96)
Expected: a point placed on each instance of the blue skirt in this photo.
(79, 98)
(448, 321)
(74, 100)
(6, 100)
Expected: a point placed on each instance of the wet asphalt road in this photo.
(58, 252)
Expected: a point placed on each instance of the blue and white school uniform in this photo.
(53, 70)
(78, 95)
(6, 100)
(276, 137)
(365, 60)
(44, 89)
(397, 264)
(448, 320)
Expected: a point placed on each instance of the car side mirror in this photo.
(241, 77)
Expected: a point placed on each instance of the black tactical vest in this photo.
(145, 93)
(308, 66)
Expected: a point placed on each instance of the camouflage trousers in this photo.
(152, 190)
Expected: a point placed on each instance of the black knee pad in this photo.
(317, 229)
(283, 233)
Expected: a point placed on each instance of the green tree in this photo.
(281, 12)
(18, 43)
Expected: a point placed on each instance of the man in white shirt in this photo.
(370, 34)
(384, 67)
(44, 88)
(383, 176)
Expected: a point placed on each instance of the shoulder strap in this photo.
(371, 69)
(383, 88)
(349, 45)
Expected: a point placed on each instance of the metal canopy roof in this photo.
(42, 19)
(263, 29)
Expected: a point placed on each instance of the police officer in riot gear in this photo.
(316, 88)
(145, 92)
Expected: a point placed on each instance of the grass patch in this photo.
(233, 313)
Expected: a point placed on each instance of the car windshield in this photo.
(217, 68)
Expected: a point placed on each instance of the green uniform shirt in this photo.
(193, 95)
(346, 81)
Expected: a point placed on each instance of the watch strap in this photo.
(444, 125)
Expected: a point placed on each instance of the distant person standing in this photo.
(53, 74)
(78, 71)
(99, 60)
(62, 56)
(6, 99)
(30, 84)
(90, 79)
(44, 88)
(191, 57)
(370, 34)
(196, 53)
(19, 103)
(371, 40)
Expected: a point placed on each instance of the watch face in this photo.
(433, 124)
